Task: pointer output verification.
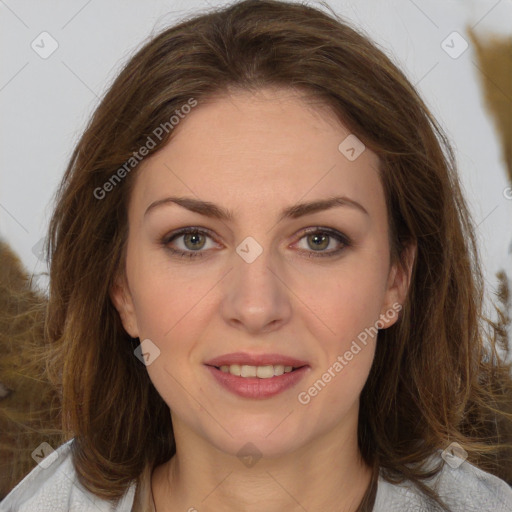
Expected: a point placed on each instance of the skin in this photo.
(257, 154)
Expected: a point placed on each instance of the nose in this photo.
(255, 295)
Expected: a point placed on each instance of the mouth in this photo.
(262, 372)
(257, 376)
(258, 361)
(257, 382)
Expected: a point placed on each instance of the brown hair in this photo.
(436, 377)
(29, 406)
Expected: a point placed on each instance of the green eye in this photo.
(195, 239)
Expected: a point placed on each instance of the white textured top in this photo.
(52, 486)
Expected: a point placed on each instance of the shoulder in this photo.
(463, 488)
(53, 486)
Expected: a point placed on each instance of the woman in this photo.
(265, 289)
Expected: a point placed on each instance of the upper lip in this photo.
(243, 358)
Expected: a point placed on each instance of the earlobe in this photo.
(121, 298)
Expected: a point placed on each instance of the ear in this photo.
(399, 280)
(121, 298)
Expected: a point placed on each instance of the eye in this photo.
(193, 240)
(320, 239)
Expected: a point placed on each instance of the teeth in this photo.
(263, 372)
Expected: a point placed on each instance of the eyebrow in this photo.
(209, 209)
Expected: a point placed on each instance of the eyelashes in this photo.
(194, 233)
(318, 236)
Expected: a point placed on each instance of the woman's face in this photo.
(273, 280)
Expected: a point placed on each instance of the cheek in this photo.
(167, 314)
(165, 297)
(348, 299)
(346, 349)
(348, 303)
(171, 307)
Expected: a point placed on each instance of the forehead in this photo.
(271, 147)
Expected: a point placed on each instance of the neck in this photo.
(326, 474)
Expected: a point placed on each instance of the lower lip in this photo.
(254, 387)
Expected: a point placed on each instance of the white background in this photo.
(45, 103)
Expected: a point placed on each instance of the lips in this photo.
(257, 388)
(243, 358)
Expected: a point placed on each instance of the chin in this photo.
(259, 438)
